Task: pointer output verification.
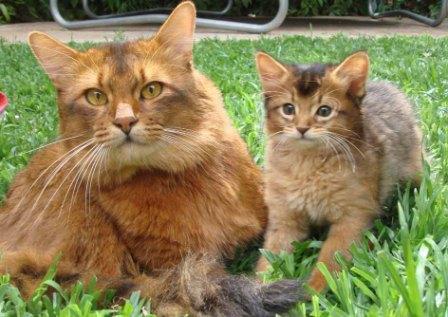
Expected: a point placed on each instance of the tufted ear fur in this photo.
(56, 58)
(178, 30)
(353, 72)
(271, 72)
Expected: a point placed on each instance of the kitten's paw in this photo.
(317, 281)
(262, 265)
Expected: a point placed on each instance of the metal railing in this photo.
(145, 18)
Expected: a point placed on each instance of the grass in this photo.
(400, 269)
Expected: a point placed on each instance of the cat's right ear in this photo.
(272, 73)
(56, 58)
(353, 73)
(178, 31)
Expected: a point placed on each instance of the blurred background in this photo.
(13, 11)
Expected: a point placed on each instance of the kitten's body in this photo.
(342, 183)
(149, 187)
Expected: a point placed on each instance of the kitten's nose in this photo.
(125, 123)
(302, 130)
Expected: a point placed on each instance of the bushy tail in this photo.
(207, 289)
(198, 286)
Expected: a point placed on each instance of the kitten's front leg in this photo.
(284, 227)
(341, 236)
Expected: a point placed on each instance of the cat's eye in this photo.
(96, 97)
(152, 90)
(324, 111)
(288, 109)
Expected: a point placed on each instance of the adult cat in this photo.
(149, 185)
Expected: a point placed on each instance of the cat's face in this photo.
(138, 100)
(316, 105)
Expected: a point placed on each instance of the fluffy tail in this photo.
(201, 285)
(198, 286)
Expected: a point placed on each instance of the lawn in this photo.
(400, 269)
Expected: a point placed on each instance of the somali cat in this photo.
(337, 146)
(149, 185)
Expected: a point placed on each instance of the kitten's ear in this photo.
(271, 72)
(178, 30)
(55, 57)
(353, 71)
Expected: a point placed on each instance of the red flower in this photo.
(3, 102)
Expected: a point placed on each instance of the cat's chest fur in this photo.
(316, 189)
(161, 217)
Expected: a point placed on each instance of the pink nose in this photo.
(303, 130)
(125, 123)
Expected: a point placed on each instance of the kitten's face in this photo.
(137, 100)
(310, 106)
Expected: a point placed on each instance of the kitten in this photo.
(149, 185)
(337, 146)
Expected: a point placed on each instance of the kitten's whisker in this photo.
(274, 134)
(345, 148)
(333, 148)
(331, 91)
(334, 101)
(347, 141)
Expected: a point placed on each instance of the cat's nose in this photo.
(125, 123)
(302, 130)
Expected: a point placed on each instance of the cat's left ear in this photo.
(353, 72)
(178, 30)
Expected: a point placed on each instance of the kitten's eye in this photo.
(96, 97)
(323, 111)
(288, 109)
(152, 90)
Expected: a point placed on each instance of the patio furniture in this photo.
(147, 18)
(373, 6)
(91, 14)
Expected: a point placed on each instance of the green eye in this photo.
(96, 97)
(152, 90)
(288, 109)
(324, 111)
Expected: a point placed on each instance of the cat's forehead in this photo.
(307, 79)
(121, 57)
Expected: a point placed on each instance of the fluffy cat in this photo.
(149, 185)
(337, 146)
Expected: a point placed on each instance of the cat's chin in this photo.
(305, 143)
(151, 155)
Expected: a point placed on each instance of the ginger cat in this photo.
(337, 146)
(149, 185)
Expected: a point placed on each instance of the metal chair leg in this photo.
(393, 13)
(159, 18)
(91, 14)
